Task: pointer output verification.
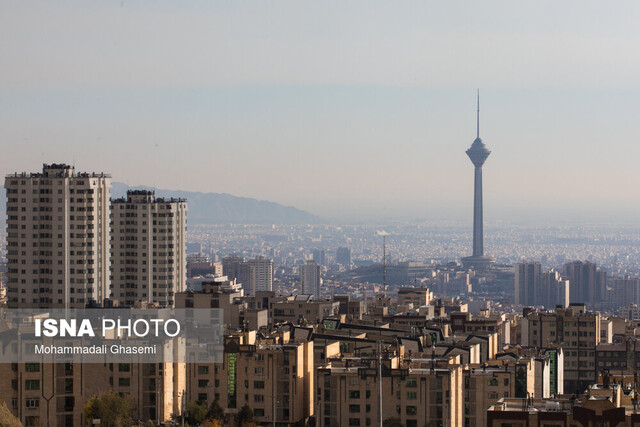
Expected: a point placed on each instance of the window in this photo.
(202, 397)
(32, 385)
(258, 397)
(412, 382)
(32, 367)
(412, 410)
(354, 394)
(492, 382)
(124, 382)
(124, 367)
(203, 370)
(354, 409)
(354, 421)
(32, 403)
(258, 384)
(412, 395)
(31, 421)
(203, 383)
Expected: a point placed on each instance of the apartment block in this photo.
(57, 238)
(577, 331)
(148, 249)
(533, 287)
(310, 279)
(625, 291)
(37, 392)
(348, 394)
(301, 309)
(416, 296)
(588, 284)
(274, 377)
(256, 275)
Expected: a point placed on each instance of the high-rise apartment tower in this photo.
(310, 278)
(57, 238)
(148, 249)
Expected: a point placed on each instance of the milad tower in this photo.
(478, 153)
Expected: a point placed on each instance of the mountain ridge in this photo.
(215, 208)
(220, 208)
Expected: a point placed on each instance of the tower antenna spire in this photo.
(478, 116)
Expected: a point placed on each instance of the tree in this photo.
(196, 412)
(215, 411)
(111, 409)
(245, 416)
(392, 422)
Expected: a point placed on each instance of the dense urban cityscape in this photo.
(329, 325)
(319, 214)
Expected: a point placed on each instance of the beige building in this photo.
(483, 387)
(301, 309)
(226, 295)
(348, 394)
(57, 237)
(148, 249)
(273, 377)
(416, 296)
(55, 394)
(577, 330)
(46, 394)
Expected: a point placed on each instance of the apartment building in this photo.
(577, 331)
(58, 248)
(274, 377)
(600, 405)
(256, 275)
(55, 394)
(301, 309)
(348, 393)
(148, 249)
(416, 296)
(311, 279)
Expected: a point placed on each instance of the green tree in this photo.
(215, 411)
(196, 412)
(245, 416)
(392, 422)
(111, 409)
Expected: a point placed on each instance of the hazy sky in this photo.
(342, 108)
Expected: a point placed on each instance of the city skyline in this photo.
(333, 109)
(225, 213)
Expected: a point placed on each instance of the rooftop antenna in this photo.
(478, 116)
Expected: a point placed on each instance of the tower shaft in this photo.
(478, 230)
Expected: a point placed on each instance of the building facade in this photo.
(148, 249)
(57, 238)
(310, 278)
